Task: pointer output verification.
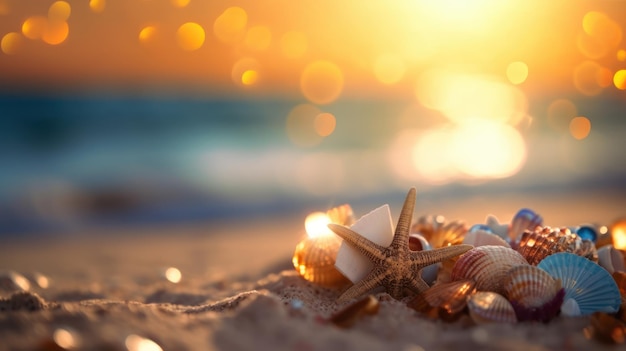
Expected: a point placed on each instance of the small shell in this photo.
(346, 317)
(501, 230)
(445, 301)
(419, 243)
(588, 250)
(524, 219)
(438, 232)
(570, 308)
(314, 259)
(545, 241)
(590, 285)
(489, 307)
(611, 259)
(341, 215)
(477, 236)
(534, 294)
(587, 232)
(487, 265)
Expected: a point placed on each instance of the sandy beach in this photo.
(109, 290)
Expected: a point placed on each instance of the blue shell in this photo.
(587, 232)
(524, 219)
(483, 227)
(590, 285)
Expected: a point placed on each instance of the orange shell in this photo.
(445, 301)
(489, 307)
(530, 286)
(314, 259)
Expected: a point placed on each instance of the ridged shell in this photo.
(314, 259)
(341, 215)
(480, 237)
(545, 241)
(444, 301)
(524, 219)
(487, 265)
(590, 285)
(534, 294)
(489, 307)
(611, 259)
(438, 232)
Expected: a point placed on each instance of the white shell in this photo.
(611, 258)
(482, 238)
(570, 308)
(489, 307)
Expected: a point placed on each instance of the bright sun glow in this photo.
(316, 225)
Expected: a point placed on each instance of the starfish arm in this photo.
(365, 246)
(401, 236)
(421, 259)
(371, 281)
(417, 284)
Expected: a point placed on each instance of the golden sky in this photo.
(318, 48)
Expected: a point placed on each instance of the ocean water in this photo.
(80, 160)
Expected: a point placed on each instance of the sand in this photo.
(107, 290)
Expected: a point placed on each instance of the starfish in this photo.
(396, 267)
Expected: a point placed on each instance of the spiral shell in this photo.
(611, 259)
(314, 259)
(445, 301)
(545, 241)
(487, 265)
(590, 285)
(534, 294)
(438, 232)
(489, 307)
(524, 219)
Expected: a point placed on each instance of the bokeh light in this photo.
(135, 342)
(97, 6)
(517, 72)
(619, 79)
(249, 77)
(589, 78)
(66, 339)
(580, 127)
(389, 68)
(618, 233)
(180, 3)
(230, 26)
(258, 38)
(324, 124)
(34, 26)
(300, 125)
(147, 34)
(431, 155)
(59, 11)
(11, 43)
(560, 112)
(293, 44)
(245, 72)
(173, 274)
(621, 55)
(316, 225)
(321, 82)
(190, 36)
(55, 32)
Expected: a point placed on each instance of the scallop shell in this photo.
(489, 307)
(545, 241)
(524, 219)
(611, 259)
(534, 294)
(438, 232)
(445, 301)
(314, 259)
(478, 236)
(341, 215)
(590, 285)
(487, 265)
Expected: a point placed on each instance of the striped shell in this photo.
(341, 215)
(489, 307)
(445, 301)
(610, 259)
(438, 232)
(480, 237)
(534, 294)
(314, 259)
(524, 219)
(545, 241)
(590, 285)
(487, 265)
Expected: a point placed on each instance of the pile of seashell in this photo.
(521, 271)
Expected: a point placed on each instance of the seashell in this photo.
(501, 230)
(570, 308)
(490, 307)
(605, 328)
(487, 265)
(478, 236)
(315, 257)
(419, 243)
(341, 215)
(586, 232)
(524, 219)
(590, 285)
(533, 293)
(611, 259)
(444, 301)
(545, 241)
(346, 317)
(438, 232)
(588, 250)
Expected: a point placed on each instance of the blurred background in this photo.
(150, 112)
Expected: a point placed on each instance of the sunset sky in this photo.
(373, 48)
